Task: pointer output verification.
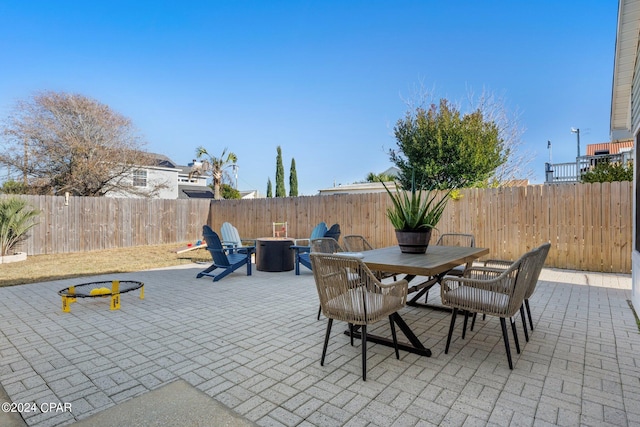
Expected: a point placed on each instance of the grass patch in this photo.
(633, 310)
(44, 268)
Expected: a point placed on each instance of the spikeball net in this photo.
(110, 288)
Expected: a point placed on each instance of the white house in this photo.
(146, 179)
(625, 113)
(364, 187)
(174, 181)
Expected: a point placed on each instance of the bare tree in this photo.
(63, 142)
(516, 167)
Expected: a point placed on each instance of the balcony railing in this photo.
(556, 173)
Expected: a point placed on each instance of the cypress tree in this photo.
(269, 190)
(293, 179)
(280, 190)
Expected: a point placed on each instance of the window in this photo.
(140, 178)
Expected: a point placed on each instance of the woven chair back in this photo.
(326, 245)
(350, 292)
(456, 239)
(542, 251)
(356, 243)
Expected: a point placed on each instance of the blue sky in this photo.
(325, 80)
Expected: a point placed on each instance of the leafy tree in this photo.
(280, 190)
(216, 166)
(269, 189)
(228, 192)
(293, 179)
(446, 149)
(609, 172)
(62, 142)
(16, 218)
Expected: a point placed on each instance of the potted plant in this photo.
(414, 215)
(16, 218)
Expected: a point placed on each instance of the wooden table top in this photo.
(436, 260)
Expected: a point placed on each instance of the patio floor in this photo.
(254, 344)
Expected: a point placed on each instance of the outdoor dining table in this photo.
(432, 265)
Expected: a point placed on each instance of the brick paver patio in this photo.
(254, 344)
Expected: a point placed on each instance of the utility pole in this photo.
(577, 132)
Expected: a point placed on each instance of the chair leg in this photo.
(526, 304)
(319, 312)
(364, 352)
(326, 341)
(351, 333)
(451, 325)
(524, 323)
(503, 323)
(394, 336)
(426, 296)
(464, 325)
(473, 320)
(515, 335)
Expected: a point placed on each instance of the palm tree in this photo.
(216, 166)
(16, 218)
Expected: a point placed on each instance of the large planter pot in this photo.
(413, 242)
(18, 256)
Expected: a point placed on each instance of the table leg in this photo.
(422, 289)
(415, 346)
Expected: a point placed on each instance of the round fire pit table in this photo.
(105, 289)
(274, 254)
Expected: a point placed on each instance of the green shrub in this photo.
(609, 172)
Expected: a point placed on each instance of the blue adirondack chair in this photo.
(302, 251)
(231, 239)
(227, 262)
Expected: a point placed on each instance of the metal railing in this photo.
(572, 172)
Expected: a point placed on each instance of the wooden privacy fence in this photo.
(82, 224)
(588, 225)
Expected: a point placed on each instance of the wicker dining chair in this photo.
(493, 292)
(455, 239)
(531, 287)
(350, 292)
(325, 245)
(358, 243)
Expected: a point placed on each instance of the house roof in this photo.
(366, 187)
(611, 147)
(194, 192)
(162, 160)
(624, 64)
